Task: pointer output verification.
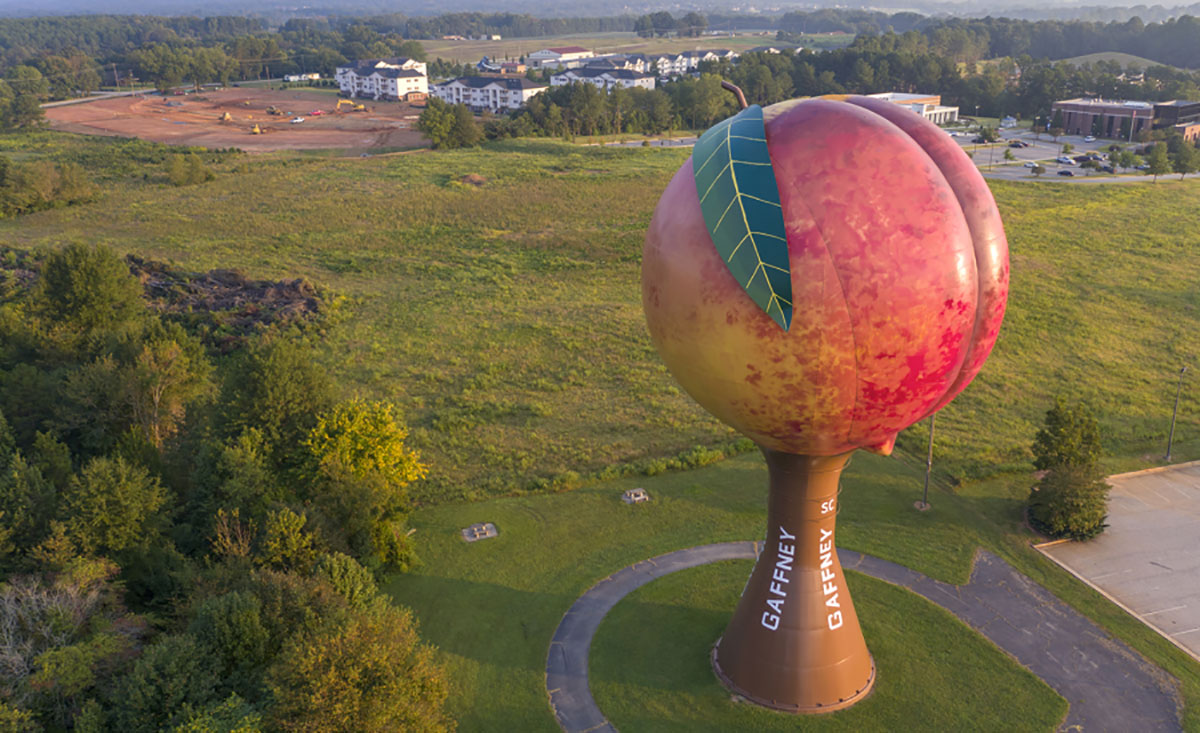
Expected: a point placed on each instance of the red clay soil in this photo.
(194, 119)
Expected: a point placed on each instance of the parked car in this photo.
(1108, 169)
(1144, 167)
(297, 120)
(1066, 173)
(1018, 144)
(1089, 139)
(1031, 164)
(979, 139)
(1064, 160)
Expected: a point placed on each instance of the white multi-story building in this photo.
(678, 64)
(559, 57)
(603, 78)
(489, 93)
(928, 106)
(394, 78)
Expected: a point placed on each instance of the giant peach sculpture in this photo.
(819, 275)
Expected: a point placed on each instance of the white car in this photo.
(1065, 160)
(1030, 164)
(1089, 139)
(297, 120)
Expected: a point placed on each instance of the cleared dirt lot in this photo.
(1149, 557)
(194, 119)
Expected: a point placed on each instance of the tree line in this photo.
(211, 525)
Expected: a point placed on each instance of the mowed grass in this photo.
(492, 606)
(650, 669)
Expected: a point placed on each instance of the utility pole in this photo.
(116, 79)
(1175, 413)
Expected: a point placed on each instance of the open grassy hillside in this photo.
(505, 318)
(1126, 60)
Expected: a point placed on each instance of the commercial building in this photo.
(928, 106)
(1176, 112)
(603, 78)
(559, 57)
(487, 93)
(391, 78)
(1112, 118)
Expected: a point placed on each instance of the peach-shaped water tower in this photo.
(820, 275)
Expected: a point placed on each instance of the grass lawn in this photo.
(651, 671)
(491, 607)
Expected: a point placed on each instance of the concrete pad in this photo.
(1148, 559)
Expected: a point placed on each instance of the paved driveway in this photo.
(1149, 557)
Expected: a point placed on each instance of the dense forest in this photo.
(192, 522)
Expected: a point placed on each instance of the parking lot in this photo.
(1147, 560)
(1044, 150)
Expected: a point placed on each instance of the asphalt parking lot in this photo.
(1147, 559)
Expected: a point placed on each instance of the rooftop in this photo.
(479, 82)
(568, 49)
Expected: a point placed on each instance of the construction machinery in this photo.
(273, 110)
(354, 106)
(256, 130)
(225, 117)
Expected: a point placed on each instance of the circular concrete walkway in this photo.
(1109, 686)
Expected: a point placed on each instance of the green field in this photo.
(599, 43)
(505, 320)
(1126, 60)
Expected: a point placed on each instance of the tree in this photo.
(364, 468)
(1070, 501)
(1037, 170)
(1069, 437)
(167, 681)
(370, 674)
(110, 504)
(692, 24)
(170, 372)
(286, 545)
(466, 132)
(278, 389)
(1158, 161)
(1008, 155)
(1187, 160)
(437, 122)
(89, 289)
(1128, 159)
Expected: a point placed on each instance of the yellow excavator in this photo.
(226, 117)
(273, 110)
(256, 130)
(354, 106)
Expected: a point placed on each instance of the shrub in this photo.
(1069, 502)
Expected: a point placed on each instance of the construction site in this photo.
(253, 119)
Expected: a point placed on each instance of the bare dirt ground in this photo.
(194, 119)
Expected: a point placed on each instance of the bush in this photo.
(1069, 502)
(1071, 498)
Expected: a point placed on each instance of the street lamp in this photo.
(1175, 413)
(928, 465)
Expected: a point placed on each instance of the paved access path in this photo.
(1110, 687)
